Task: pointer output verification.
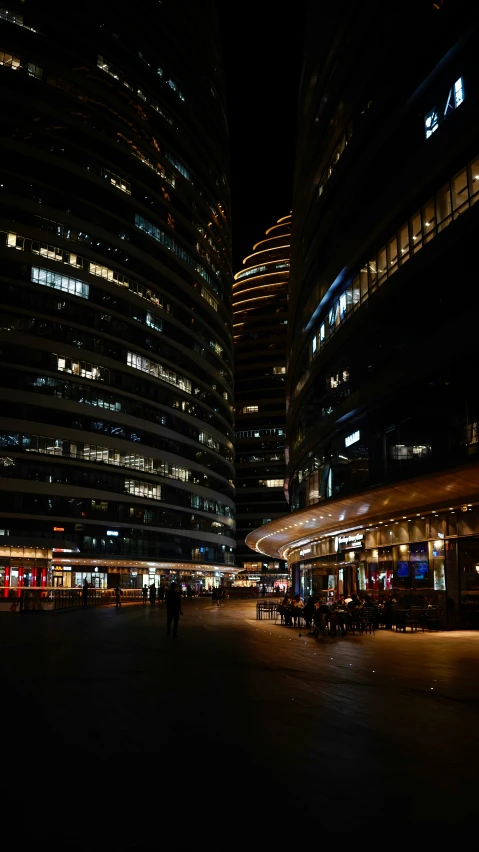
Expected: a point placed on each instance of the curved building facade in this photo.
(260, 322)
(116, 429)
(383, 474)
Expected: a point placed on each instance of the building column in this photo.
(453, 592)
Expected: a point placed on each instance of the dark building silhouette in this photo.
(383, 475)
(260, 321)
(116, 426)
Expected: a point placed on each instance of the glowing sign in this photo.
(112, 532)
(58, 529)
(351, 439)
(347, 542)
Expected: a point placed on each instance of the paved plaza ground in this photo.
(242, 725)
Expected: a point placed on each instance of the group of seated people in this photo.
(335, 616)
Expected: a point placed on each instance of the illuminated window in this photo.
(209, 298)
(408, 452)
(143, 489)
(279, 370)
(154, 321)
(210, 442)
(458, 92)
(271, 483)
(34, 71)
(60, 282)
(216, 347)
(249, 409)
(158, 370)
(431, 122)
(117, 181)
(15, 241)
(9, 60)
(83, 369)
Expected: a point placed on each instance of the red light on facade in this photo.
(58, 529)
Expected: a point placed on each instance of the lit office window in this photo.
(431, 122)
(158, 370)
(83, 369)
(249, 409)
(60, 282)
(9, 61)
(143, 489)
(34, 70)
(117, 181)
(458, 92)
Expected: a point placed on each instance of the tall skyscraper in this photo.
(260, 322)
(116, 429)
(382, 427)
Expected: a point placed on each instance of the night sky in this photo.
(262, 64)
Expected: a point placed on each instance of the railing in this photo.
(31, 599)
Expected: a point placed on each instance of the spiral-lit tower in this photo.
(116, 341)
(260, 306)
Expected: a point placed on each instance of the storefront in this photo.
(23, 566)
(431, 558)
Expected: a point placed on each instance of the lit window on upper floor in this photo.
(154, 321)
(408, 452)
(249, 409)
(209, 441)
(143, 489)
(458, 92)
(216, 347)
(117, 181)
(279, 371)
(34, 71)
(271, 483)
(12, 17)
(209, 298)
(436, 115)
(146, 365)
(83, 369)
(60, 282)
(9, 61)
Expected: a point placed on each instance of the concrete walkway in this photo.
(242, 724)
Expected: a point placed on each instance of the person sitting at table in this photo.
(322, 616)
(297, 606)
(388, 611)
(284, 609)
(309, 611)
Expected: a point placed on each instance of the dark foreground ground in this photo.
(238, 731)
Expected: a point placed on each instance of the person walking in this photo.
(118, 595)
(144, 593)
(173, 609)
(152, 594)
(85, 592)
